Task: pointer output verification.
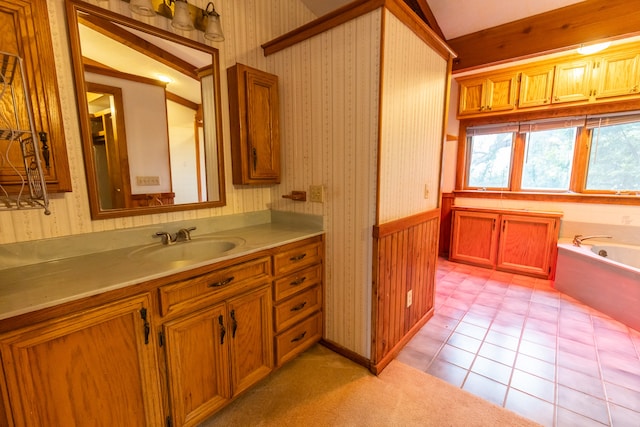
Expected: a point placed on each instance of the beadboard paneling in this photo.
(405, 255)
(247, 24)
(413, 103)
(329, 116)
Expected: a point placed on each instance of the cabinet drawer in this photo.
(297, 257)
(296, 282)
(289, 312)
(297, 339)
(203, 289)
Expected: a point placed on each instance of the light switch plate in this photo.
(316, 193)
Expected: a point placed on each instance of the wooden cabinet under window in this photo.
(26, 33)
(523, 242)
(97, 366)
(255, 125)
(488, 94)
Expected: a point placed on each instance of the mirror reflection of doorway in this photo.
(109, 145)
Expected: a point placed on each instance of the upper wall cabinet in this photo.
(255, 125)
(571, 80)
(536, 85)
(26, 33)
(488, 94)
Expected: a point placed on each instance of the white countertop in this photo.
(37, 286)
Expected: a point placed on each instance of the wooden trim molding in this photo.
(554, 31)
(405, 253)
(352, 11)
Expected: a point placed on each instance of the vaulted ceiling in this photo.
(487, 32)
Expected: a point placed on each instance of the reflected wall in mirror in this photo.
(149, 105)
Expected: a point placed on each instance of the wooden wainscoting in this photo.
(405, 253)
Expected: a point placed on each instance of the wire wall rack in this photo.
(32, 190)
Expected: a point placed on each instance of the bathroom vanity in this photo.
(134, 337)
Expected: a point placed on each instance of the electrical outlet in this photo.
(316, 193)
(409, 298)
(426, 191)
(147, 180)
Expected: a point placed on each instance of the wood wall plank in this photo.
(552, 31)
(405, 255)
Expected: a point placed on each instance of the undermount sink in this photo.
(188, 251)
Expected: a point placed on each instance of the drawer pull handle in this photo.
(299, 337)
(221, 283)
(298, 281)
(299, 306)
(297, 257)
(223, 331)
(234, 324)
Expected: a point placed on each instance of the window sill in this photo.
(607, 199)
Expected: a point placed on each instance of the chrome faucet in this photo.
(184, 234)
(578, 238)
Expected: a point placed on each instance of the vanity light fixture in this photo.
(592, 48)
(213, 31)
(142, 7)
(181, 16)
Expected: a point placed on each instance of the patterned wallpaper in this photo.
(330, 90)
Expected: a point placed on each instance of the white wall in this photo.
(247, 24)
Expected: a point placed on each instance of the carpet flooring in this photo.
(322, 388)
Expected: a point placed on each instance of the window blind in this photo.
(597, 121)
(492, 129)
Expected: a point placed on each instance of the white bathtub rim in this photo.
(585, 250)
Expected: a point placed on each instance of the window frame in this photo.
(577, 183)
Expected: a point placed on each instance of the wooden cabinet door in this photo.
(501, 92)
(474, 237)
(26, 33)
(251, 338)
(97, 368)
(572, 82)
(536, 85)
(472, 94)
(618, 75)
(255, 125)
(526, 244)
(197, 354)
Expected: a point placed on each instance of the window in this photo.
(490, 155)
(548, 159)
(490, 162)
(587, 154)
(614, 156)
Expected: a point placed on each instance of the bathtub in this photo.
(610, 284)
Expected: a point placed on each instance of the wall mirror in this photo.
(149, 106)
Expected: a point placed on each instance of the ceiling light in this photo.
(592, 48)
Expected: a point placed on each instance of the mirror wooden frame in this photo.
(73, 7)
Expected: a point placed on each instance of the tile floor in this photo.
(517, 342)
